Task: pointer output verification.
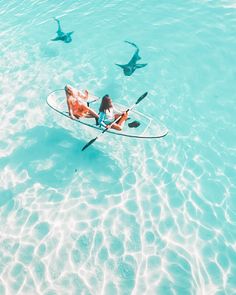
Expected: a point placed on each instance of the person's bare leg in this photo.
(123, 119)
(120, 123)
(93, 114)
(116, 127)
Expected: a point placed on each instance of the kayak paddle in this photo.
(129, 109)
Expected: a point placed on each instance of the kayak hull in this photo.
(148, 128)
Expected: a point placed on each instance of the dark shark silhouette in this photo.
(132, 65)
(61, 36)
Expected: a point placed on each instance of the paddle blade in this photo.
(141, 97)
(89, 143)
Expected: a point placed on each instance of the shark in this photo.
(61, 36)
(132, 65)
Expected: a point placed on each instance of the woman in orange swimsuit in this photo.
(76, 102)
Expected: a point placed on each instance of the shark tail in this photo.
(138, 57)
(131, 43)
(56, 19)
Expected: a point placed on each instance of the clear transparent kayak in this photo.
(148, 127)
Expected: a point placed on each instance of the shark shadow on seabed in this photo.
(52, 156)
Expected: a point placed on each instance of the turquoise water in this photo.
(126, 216)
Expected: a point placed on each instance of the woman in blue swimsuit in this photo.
(107, 115)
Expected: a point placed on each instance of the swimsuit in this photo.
(78, 109)
(106, 118)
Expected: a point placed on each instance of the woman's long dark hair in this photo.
(106, 103)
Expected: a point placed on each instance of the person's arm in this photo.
(83, 96)
(70, 109)
(86, 94)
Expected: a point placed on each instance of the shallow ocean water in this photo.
(126, 216)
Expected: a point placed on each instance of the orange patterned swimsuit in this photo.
(79, 109)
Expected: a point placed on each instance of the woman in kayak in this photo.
(77, 104)
(107, 115)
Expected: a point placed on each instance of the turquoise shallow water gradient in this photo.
(125, 216)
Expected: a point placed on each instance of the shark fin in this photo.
(56, 39)
(138, 66)
(122, 66)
